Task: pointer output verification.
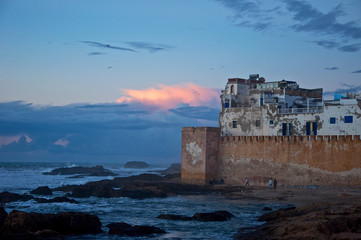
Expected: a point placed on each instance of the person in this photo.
(270, 183)
(274, 183)
(221, 181)
(247, 184)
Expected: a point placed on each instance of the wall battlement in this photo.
(293, 160)
(329, 138)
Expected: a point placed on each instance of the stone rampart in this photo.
(292, 160)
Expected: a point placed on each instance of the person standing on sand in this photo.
(247, 184)
(270, 182)
(274, 183)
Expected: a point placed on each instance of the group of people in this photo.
(271, 183)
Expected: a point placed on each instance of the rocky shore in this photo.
(313, 212)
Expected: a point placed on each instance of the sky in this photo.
(92, 80)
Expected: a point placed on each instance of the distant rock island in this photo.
(82, 171)
(136, 164)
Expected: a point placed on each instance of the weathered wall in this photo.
(292, 160)
(246, 121)
(200, 149)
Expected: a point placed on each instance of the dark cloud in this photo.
(331, 68)
(106, 46)
(249, 14)
(151, 47)
(302, 17)
(358, 71)
(97, 131)
(312, 20)
(350, 48)
(96, 53)
(327, 44)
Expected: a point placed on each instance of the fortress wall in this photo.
(200, 149)
(293, 160)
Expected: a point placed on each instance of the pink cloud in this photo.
(6, 140)
(167, 97)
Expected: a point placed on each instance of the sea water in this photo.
(23, 177)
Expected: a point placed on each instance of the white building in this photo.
(254, 107)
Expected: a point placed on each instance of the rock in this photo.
(84, 171)
(124, 229)
(174, 217)
(56, 199)
(6, 197)
(3, 215)
(266, 209)
(64, 223)
(175, 168)
(136, 164)
(213, 216)
(313, 221)
(42, 191)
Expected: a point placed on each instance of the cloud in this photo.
(99, 132)
(151, 47)
(350, 48)
(358, 71)
(166, 97)
(331, 68)
(302, 17)
(106, 46)
(95, 53)
(312, 20)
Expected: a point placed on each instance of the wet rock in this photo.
(42, 191)
(83, 171)
(175, 168)
(266, 209)
(174, 217)
(136, 165)
(313, 221)
(124, 229)
(64, 223)
(213, 216)
(3, 215)
(56, 199)
(6, 197)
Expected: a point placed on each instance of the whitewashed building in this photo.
(254, 107)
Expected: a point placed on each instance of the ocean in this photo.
(24, 177)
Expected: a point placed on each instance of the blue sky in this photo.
(83, 79)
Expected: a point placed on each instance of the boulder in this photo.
(42, 191)
(63, 223)
(313, 221)
(136, 165)
(6, 197)
(3, 215)
(213, 216)
(124, 229)
(83, 171)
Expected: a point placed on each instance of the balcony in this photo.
(300, 110)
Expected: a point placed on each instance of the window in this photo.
(258, 123)
(226, 104)
(234, 124)
(271, 122)
(332, 120)
(348, 119)
(232, 88)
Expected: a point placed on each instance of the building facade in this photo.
(277, 129)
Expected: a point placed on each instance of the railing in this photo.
(300, 110)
